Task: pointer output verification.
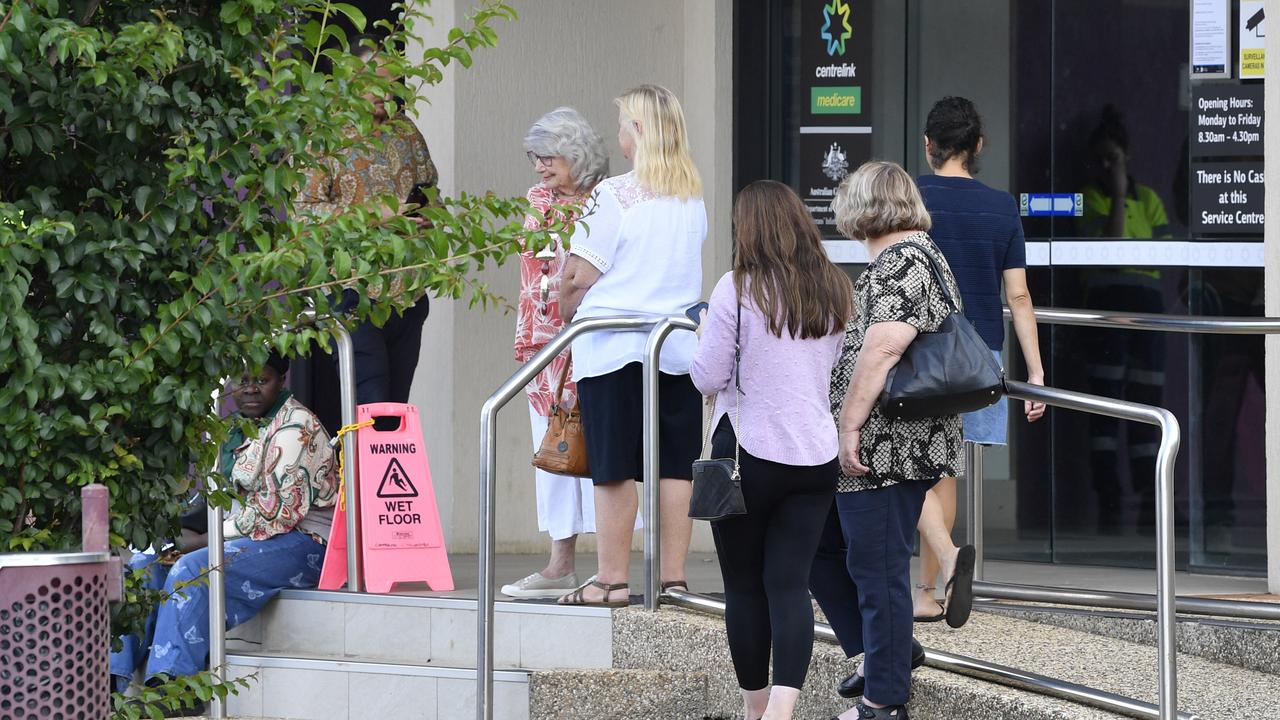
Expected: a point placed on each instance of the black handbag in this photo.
(945, 372)
(717, 483)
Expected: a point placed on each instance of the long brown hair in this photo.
(792, 280)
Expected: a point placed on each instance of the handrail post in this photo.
(347, 399)
(488, 487)
(974, 475)
(1166, 627)
(217, 610)
(652, 490)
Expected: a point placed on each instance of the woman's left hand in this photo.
(1034, 410)
(850, 447)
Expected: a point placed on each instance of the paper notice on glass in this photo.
(1211, 39)
(1253, 40)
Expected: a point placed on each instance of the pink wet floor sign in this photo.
(401, 537)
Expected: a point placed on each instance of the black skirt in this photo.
(613, 424)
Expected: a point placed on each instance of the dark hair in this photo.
(954, 129)
(792, 281)
(278, 362)
(1110, 128)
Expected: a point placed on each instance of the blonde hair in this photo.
(877, 199)
(662, 160)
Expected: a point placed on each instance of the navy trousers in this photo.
(861, 578)
(386, 357)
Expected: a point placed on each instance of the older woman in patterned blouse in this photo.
(569, 159)
(286, 478)
(862, 573)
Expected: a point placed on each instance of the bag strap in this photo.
(737, 397)
(933, 265)
(564, 375)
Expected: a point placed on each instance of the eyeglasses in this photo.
(536, 159)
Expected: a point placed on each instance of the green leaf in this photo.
(140, 197)
(21, 140)
(353, 14)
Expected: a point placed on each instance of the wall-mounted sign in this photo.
(1226, 120)
(1051, 204)
(1210, 39)
(1227, 198)
(1253, 40)
(832, 95)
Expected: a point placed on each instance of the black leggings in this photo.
(765, 557)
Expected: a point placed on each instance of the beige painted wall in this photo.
(581, 53)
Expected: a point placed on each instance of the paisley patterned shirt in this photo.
(898, 287)
(364, 173)
(537, 321)
(283, 472)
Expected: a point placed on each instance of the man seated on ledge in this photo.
(275, 538)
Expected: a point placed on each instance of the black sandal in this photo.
(960, 588)
(578, 597)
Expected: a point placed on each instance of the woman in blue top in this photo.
(979, 231)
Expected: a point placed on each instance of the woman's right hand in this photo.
(850, 447)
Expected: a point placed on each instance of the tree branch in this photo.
(9, 14)
(89, 11)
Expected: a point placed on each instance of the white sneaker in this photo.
(537, 586)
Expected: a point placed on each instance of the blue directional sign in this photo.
(1050, 204)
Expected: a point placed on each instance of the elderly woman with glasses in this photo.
(569, 159)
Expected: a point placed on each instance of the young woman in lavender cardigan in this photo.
(794, 305)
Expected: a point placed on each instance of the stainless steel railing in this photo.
(1170, 440)
(217, 582)
(488, 484)
(1184, 324)
(973, 667)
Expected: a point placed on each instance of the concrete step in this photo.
(327, 689)
(617, 694)
(1250, 644)
(684, 640)
(1207, 688)
(425, 631)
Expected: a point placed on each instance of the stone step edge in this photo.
(935, 692)
(295, 662)
(1230, 642)
(444, 603)
(619, 694)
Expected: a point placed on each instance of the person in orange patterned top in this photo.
(569, 158)
(386, 357)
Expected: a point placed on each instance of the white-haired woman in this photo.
(862, 572)
(570, 159)
(641, 254)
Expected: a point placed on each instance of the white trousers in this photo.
(566, 505)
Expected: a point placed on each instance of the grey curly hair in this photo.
(565, 132)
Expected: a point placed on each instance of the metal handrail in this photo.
(652, 496)
(1158, 322)
(973, 667)
(488, 485)
(217, 582)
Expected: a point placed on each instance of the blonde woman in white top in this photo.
(638, 251)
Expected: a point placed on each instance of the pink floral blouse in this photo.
(537, 321)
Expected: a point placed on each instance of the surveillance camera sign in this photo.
(1253, 40)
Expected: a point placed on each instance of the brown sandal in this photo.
(684, 584)
(577, 597)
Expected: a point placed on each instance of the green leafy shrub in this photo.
(150, 155)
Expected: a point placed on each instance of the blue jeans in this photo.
(176, 641)
(862, 580)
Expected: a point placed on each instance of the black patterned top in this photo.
(898, 287)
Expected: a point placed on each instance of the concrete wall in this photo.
(561, 52)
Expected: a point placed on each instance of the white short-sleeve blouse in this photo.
(648, 249)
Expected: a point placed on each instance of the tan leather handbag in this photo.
(564, 448)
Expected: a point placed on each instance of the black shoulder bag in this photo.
(945, 372)
(717, 484)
